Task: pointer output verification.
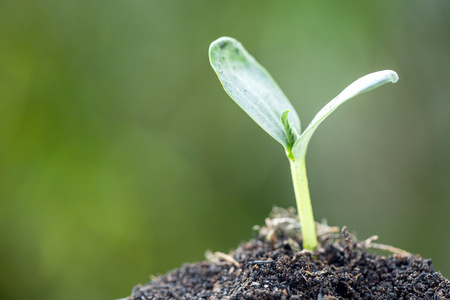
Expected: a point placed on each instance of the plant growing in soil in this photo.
(271, 266)
(254, 90)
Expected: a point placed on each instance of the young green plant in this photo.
(254, 90)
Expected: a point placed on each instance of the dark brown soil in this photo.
(273, 266)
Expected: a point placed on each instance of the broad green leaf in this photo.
(252, 88)
(363, 84)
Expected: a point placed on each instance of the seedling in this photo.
(254, 90)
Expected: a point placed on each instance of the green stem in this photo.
(305, 213)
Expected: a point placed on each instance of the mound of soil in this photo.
(273, 266)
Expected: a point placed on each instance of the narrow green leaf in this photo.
(291, 133)
(363, 84)
(252, 87)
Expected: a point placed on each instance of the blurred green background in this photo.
(121, 156)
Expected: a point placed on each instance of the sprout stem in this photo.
(305, 213)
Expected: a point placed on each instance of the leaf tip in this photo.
(221, 43)
(393, 75)
(395, 79)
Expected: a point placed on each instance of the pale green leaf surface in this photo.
(363, 84)
(252, 87)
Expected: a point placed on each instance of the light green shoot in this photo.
(254, 90)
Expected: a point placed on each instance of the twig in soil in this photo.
(368, 244)
(220, 255)
(263, 262)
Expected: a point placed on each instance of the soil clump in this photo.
(273, 266)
